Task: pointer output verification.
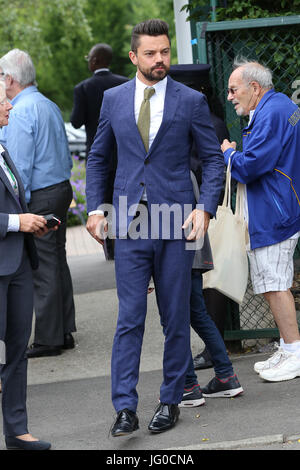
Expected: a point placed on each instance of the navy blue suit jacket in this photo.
(12, 243)
(165, 169)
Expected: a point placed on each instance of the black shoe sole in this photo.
(125, 433)
(44, 354)
(157, 431)
(12, 444)
(68, 346)
(19, 448)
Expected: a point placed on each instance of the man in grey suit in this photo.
(37, 143)
(17, 258)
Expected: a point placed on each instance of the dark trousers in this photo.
(16, 306)
(170, 265)
(205, 327)
(216, 305)
(53, 289)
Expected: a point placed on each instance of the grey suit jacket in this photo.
(12, 243)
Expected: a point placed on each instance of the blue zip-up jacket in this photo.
(270, 167)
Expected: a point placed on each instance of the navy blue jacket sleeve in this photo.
(98, 165)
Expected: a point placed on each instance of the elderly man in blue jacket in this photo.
(269, 168)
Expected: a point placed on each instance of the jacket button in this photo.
(146, 162)
(142, 184)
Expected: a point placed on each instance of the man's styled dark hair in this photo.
(154, 27)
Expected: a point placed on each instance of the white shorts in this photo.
(272, 267)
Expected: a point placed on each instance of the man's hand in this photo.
(32, 223)
(200, 221)
(228, 145)
(97, 226)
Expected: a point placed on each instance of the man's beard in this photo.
(240, 110)
(155, 75)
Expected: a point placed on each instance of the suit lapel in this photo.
(129, 103)
(21, 199)
(170, 106)
(5, 180)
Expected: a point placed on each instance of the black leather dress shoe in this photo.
(13, 443)
(39, 350)
(126, 422)
(202, 361)
(69, 342)
(165, 417)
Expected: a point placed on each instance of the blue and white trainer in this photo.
(192, 397)
(223, 388)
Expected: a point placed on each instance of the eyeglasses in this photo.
(232, 91)
(4, 102)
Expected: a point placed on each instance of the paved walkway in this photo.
(80, 243)
(69, 395)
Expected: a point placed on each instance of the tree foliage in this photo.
(142, 10)
(59, 33)
(278, 49)
(243, 9)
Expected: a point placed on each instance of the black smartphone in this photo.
(52, 220)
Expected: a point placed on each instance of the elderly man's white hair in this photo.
(253, 71)
(18, 64)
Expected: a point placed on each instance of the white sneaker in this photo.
(287, 368)
(271, 362)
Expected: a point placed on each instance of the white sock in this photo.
(281, 342)
(292, 348)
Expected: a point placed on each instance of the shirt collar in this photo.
(24, 92)
(160, 87)
(101, 70)
(251, 116)
(265, 97)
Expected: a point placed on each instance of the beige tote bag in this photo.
(228, 235)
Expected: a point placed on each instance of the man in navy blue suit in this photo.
(154, 121)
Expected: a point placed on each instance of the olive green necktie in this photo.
(144, 117)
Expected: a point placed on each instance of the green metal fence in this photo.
(274, 42)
